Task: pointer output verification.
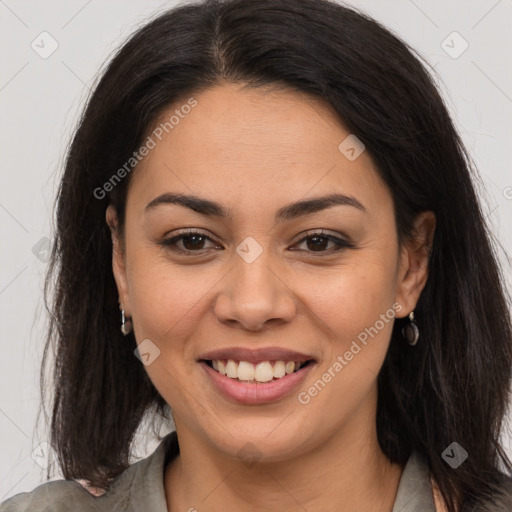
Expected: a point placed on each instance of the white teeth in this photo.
(279, 369)
(264, 372)
(261, 372)
(245, 371)
(232, 369)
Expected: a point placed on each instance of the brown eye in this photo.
(318, 242)
(191, 241)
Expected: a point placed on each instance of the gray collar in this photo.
(415, 489)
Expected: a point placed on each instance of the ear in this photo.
(414, 262)
(118, 259)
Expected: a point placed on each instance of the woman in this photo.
(274, 198)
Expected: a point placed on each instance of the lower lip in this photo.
(256, 392)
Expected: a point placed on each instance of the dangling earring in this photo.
(126, 324)
(411, 332)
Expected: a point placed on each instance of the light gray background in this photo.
(40, 100)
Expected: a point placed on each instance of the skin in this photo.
(255, 150)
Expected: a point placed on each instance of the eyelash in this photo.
(341, 244)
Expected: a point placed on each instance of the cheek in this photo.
(351, 298)
(355, 314)
(166, 300)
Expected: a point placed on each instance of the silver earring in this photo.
(126, 323)
(411, 332)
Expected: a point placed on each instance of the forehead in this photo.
(252, 146)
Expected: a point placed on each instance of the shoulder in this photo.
(140, 485)
(56, 496)
(496, 498)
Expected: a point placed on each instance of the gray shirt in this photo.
(140, 488)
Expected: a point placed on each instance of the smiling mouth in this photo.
(264, 371)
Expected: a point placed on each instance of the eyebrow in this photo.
(287, 212)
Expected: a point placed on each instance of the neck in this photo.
(347, 472)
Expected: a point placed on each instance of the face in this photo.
(312, 280)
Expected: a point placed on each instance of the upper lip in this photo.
(256, 355)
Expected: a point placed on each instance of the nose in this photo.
(255, 296)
